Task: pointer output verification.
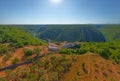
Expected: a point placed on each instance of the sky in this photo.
(61, 12)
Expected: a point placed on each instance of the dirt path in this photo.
(20, 54)
(19, 64)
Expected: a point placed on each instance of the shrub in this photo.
(15, 61)
(28, 52)
(36, 51)
(64, 51)
(3, 79)
(47, 64)
(41, 72)
(53, 76)
(41, 64)
(23, 73)
(78, 73)
(32, 68)
(19, 44)
(82, 51)
(105, 53)
(3, 49)
(43, 78)
(83, 67)
(31, 77)
(102, 68)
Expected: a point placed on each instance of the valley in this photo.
(59, 53)
(59, 40)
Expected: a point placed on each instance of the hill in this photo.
(23, 57)
(33, 28)
(17, 36)
(91, 67)
(71, 33)
(111, 32)
(58, 67)
(92, 33)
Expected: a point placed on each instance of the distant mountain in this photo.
(71, 33)
(33, 28)
(111, 32)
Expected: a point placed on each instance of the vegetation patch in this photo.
(15, 61)
(28, 52)
(84, 67)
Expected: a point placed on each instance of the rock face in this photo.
(72, 33)
(52, 47)
(71, 45)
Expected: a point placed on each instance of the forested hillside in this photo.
(108, 50)
(33, 28)
(17, 36)
(111, 32)
(88, 33)
(72, 33)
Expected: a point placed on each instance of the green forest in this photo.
(111, 32)
(72, 33)
(108, 50)
(12, 37)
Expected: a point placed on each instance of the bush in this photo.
(28, 52)
(64, 51)
(81, 51)
(73, 51)
(7, 57)
(83, 67)
(105, 53)
(36, 51)
(3, 79)
(15, 61)
(19, 44)
(53, 76)
(3, 49)
(41, 72)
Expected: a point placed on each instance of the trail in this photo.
(42, 54)
(22, 63)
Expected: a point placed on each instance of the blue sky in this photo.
(67, 12)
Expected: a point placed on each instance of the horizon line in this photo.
(68, 24)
